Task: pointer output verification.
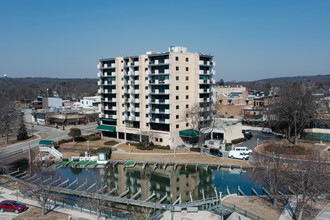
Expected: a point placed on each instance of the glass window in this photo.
(177, 126)
(177, 68)
(176, 58)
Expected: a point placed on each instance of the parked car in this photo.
(243, 149)
(248, 135)
(12, 206)
(216, 152)
(238, 155)
(267, 130)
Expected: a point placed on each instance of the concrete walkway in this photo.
(11, 195)
(288, 211)
(324, 214)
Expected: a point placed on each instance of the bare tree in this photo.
(9, 117)
(200, 123)
(147, 137)
(270, 170)
(309, 179)
(39, 190)
(294, 110)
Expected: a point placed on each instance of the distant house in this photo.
(90, 102)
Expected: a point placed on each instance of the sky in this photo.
(250, 40)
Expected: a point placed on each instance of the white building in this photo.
(151, 93)
(90, 102)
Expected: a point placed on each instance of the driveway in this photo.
(257, 139)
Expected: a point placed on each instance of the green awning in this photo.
(188, 133)
(46, 142)
(107, 119)
(106, 128)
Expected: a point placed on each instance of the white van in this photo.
(267, 130)
(238, 155)
(244, 150)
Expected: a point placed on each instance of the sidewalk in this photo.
(11, 195)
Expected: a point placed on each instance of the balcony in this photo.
(99, 82)
(136, 100)
(206, 81)
(163, 121)
(136, 63)
(114, 108)
(136, 82)
(159, 82)
(99, 74)
(100, 91)
(204, 99)
(136, 91)
(205, 72)
(206, 63)
(204, 90)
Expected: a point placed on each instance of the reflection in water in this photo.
(182, 181)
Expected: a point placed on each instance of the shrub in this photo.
(80, 139)
(167, 147)
(92, 137)
(100, 150)
(238, 140)
(195, 149)
(112, 142)
(64, 141)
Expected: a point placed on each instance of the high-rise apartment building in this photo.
(147, 96)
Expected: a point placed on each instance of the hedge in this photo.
(238, 140)
(195, 149)
(151, 146)
(112, 142)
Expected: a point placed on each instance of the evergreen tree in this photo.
(22, 133)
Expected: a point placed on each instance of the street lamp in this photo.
(32, 127)
(171, 206)
(16, 191)
(257, 142)
(129, 148)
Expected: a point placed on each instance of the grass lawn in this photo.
(259, 206)
(13, 140)
(35, 213)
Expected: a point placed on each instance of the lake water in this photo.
(182, 181)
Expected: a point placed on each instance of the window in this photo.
(123, 122)
(187, 115)
(187, 78)
(187, 96)
(187, 87)
(177, 78)
(187, 106)
(177, 107)
(156, 139)
(177, 87)
(177, 116)
(177, 68)
(177, 126)
(187, 124)
(187, 68)
(146, 97)
(187, 59)
(160, 139)
(176, 58)
(177, 97)
(146, 87)
(146, 69)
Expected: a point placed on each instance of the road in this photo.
(257, 139)
(53, 134)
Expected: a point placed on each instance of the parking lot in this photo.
(257, 139)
